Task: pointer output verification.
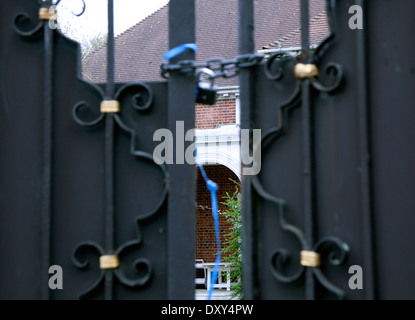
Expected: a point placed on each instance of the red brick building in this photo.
(139, 52)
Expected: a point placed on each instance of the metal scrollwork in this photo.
(275, 57)
(75, 14)
(333, 250)
(140, 97)
(334, 69)
(23, 25)
(141, 264)
(141, 101)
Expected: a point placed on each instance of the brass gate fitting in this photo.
(110, 106)
(310, 259)
(305, 71)
(109, 262)
(46, 13)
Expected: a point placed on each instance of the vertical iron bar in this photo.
(249, 217)
(366, 183)
(46, 202)
(246, 27)
(308, 150)
(109, 199)
(181, 236)
(109, 154)
(110, 51)
(305, 29)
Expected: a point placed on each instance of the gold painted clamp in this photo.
(110, 106)
(310, 259)
(46, 13)
(109, 262)
(305, 71)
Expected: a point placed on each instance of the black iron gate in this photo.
(80, 188)
(333, 199)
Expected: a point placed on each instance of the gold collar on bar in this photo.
(310, 259)
(305, 71)
(110, 106)
(46, 13)
(109, 262)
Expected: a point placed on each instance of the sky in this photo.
(94, 20)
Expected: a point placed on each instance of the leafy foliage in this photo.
(93, 44)
(88, 44)
(232, 249)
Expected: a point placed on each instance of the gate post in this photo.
(181, 204)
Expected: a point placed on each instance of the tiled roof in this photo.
(319, 30)
(139, 50)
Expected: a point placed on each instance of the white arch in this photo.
(220, 146)
(230, 164)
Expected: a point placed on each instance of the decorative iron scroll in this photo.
(141, 101)
(111, 114)
(141, 98)
(306, 69)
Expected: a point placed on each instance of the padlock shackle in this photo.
(204, 93)
(208, 72)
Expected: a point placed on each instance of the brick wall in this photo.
(205, 227)
(211, 117)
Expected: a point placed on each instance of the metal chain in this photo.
(221, 67)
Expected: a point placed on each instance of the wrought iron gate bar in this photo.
(308, 148)
(365, 150)
(249, 216)
(109, 154)
(181, 250)
(46, 204)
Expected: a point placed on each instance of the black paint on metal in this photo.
(46, 206)
(109, 155)
(365, 150)
(182, 197)
(308, 148)
(246, 78)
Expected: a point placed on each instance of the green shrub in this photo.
(232, 247)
